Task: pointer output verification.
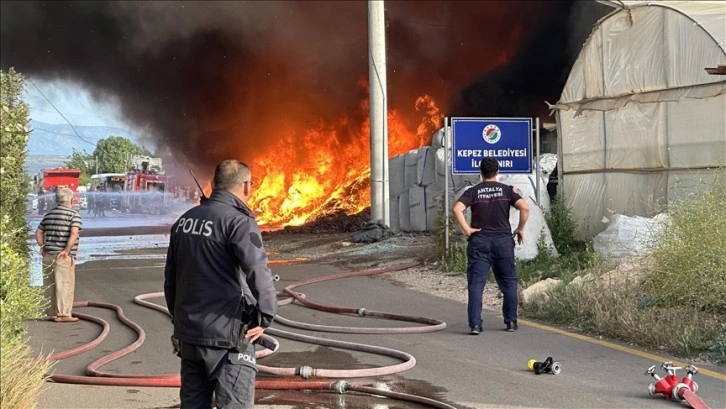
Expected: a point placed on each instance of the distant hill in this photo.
(34, 163)
(50, 145)
(60, 140)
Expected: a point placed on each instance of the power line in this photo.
(61, 114)
(90, 137)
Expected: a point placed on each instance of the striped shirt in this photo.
(56, 226)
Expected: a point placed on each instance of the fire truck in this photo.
(147, 188)
(47, 180)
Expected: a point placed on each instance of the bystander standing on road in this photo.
(491, 242)
(57, 235)
(220, 293)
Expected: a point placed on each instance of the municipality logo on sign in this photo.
(491, 134)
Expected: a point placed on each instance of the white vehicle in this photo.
(32, 201)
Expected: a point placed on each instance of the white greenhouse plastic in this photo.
(640, 121)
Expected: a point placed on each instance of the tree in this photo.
(113, 154)
(85, 162)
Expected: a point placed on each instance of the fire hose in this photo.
(96, 377)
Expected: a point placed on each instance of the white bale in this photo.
(456, 182)
(404, 217)
(410, 168)
(535, 229)
(417, 206)
(547, 163)
(396, 176)
(440, 166)
(394, 216)
(536, 226)
(627, 236)
(434, 195)
(437, 141)
(425, 166)
(526, 183)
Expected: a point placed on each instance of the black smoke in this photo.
(212, 79)
(539, 68)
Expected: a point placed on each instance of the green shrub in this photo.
(18, 300)
(690, 259)
(626, 314)
(578, 260)
(454, 258)
(14, 140)
(22, 376)
(562, 227)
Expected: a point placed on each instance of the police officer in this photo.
(220, 292)
(490, 241)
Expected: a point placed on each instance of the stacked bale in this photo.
(418, 184)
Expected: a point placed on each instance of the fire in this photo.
(319, 171)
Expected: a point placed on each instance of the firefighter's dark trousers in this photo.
(228, 374)
(496, 252)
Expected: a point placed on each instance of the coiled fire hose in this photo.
(96, 377)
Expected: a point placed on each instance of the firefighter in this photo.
(220, 293)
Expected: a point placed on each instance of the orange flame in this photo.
(328, 174)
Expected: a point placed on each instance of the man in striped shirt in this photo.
(57, 236)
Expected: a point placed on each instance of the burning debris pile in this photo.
(282, 85)
(334, 222)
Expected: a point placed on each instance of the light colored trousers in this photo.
(59, 279)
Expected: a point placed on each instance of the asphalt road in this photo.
(485, 371)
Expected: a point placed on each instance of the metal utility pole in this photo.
(379, 111)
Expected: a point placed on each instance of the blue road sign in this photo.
(509, 140)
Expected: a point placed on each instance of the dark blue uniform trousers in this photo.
(496, 252)
(228, 374)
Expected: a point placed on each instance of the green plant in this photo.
(540, 267)
(23, 376)
(716, 352)
(457, 260)
(454, 257)
(18, 300)
(562, 227)
(565, 267)
(621, 313)
(690, 259)
(13, 139)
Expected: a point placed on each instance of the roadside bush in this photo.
(18, 300)
(575, 257)
(626, 314)
(690, 259)
(562, 227)
(14, 140)
(683, 293)
(454, 260)
(22, 376)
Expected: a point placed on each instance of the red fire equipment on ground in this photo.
(673, 388)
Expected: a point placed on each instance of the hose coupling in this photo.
(340, 386)
(304, 372)
(677, 389)
(362, 312)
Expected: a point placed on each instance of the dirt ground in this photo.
(339, 250)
